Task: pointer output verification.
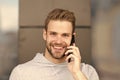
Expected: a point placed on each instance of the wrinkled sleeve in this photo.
(90, 72)
(15, 74)
(93, 74)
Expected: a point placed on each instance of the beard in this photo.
(57, 54)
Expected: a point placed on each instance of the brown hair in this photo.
(60, 14)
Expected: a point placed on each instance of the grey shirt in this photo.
(39, 68)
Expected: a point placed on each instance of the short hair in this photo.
(60, 14)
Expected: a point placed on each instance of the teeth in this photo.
(58, 47)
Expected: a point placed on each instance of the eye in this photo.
(65, 35)
(53, 33)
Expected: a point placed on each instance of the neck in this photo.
(51, 59)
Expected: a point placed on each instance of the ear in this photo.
(74, 34)
(44, 34)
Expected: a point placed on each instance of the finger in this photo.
(72, 47)
(75, 49)
(69, 51)
(71, 57)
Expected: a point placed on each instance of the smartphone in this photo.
(72, 41)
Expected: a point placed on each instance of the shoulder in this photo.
(87, 67)
(29, 64)
(20, 70)
(20, 67)
(15, 74)
(89, 71)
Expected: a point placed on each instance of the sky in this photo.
(8, 15)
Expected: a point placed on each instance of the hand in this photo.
(74, 64)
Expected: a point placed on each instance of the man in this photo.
(61, 59)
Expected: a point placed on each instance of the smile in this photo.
(58, 48)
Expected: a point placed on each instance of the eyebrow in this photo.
(62, 33)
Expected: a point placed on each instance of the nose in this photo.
(59, 39)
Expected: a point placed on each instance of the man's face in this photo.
(58, 38)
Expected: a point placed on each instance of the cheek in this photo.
(68, 42)
(49, 39)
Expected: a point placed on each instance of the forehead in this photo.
(60, 26)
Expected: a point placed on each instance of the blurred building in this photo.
(8, 54)
(105, 38)
(8, 37)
